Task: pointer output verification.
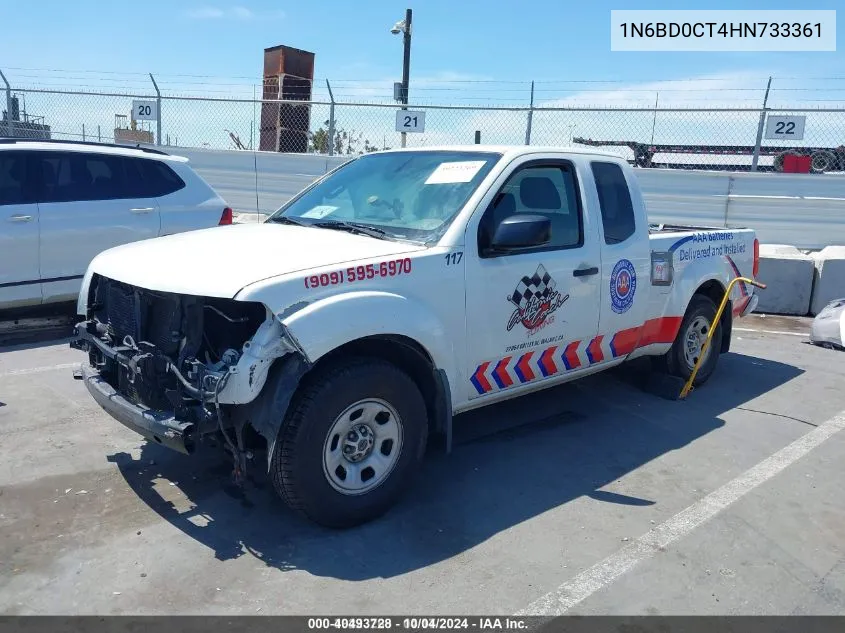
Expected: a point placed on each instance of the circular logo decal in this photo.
(623, 285)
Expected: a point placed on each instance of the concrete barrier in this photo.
(801, 209)
(829, 283)
(788, 273)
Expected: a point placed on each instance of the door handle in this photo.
(585, 272)
(142, 210)
(18, 217)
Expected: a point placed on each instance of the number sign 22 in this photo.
(785, 127)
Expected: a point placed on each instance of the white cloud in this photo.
(235, 12)
(242, 13)
(205, 13)
(731, 89)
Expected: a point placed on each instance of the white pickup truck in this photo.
(398, 290)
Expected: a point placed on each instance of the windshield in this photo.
(406, 195)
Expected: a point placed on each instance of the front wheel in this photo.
(354, 437)
(688, 346)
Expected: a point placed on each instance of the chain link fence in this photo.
(692, 138)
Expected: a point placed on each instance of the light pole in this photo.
(404, 27)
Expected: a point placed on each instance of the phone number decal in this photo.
(352, 274)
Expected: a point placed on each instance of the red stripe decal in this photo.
(740, 306)
(501, 371)
(742, 289)
(547, 361)
(661, 330)
(594, 352)
(525, 368)
(480, 379)
(570, 355)
(624, 342)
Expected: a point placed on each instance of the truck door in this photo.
(531, 313)
(626, 260)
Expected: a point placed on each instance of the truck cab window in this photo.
(617, 212)
(547, 190)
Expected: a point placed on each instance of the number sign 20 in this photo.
(144, 110)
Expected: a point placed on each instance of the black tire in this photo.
(297, 466)
(674, 362)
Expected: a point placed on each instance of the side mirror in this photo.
(522, 230)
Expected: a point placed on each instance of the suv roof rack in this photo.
(6, 140)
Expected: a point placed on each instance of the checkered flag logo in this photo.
(539, 285)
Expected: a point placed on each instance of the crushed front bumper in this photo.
(158, 426)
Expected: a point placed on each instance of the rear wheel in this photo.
(353, 439)
(689, 343)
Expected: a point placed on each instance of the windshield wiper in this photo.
(281, 219)
(353, 227)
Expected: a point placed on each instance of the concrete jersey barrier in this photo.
(805, 210)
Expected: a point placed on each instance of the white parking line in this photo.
(749, 329)
(605, 572)
(37, 370)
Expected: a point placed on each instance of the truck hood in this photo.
(220, 261)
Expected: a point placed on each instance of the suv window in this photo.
(80, 176)
(548, 190)
(135, 187)
(159, 179)
(617, 211)
(13, 179)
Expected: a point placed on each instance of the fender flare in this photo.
(314, 326)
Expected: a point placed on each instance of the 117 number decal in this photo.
(454, 258)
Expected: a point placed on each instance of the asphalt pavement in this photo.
(595, 497)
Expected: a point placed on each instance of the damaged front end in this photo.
(176, 368)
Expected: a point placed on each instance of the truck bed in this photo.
(681, 228)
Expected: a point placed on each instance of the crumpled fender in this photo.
(322, 326)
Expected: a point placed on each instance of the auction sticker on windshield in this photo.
(459, 171)
(320, 211)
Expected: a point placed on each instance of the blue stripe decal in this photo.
(681, 242)
(498, 380)
(563, 358)
(742, 289)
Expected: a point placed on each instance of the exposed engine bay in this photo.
(180, 358)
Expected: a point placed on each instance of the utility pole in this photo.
(404, 27)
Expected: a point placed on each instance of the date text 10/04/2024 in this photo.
(418, 623)
(352, 274)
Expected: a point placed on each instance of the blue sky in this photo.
(453, 40)
(469, 52)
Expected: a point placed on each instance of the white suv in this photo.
(62, 203)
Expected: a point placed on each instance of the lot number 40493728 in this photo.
(410, 121)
